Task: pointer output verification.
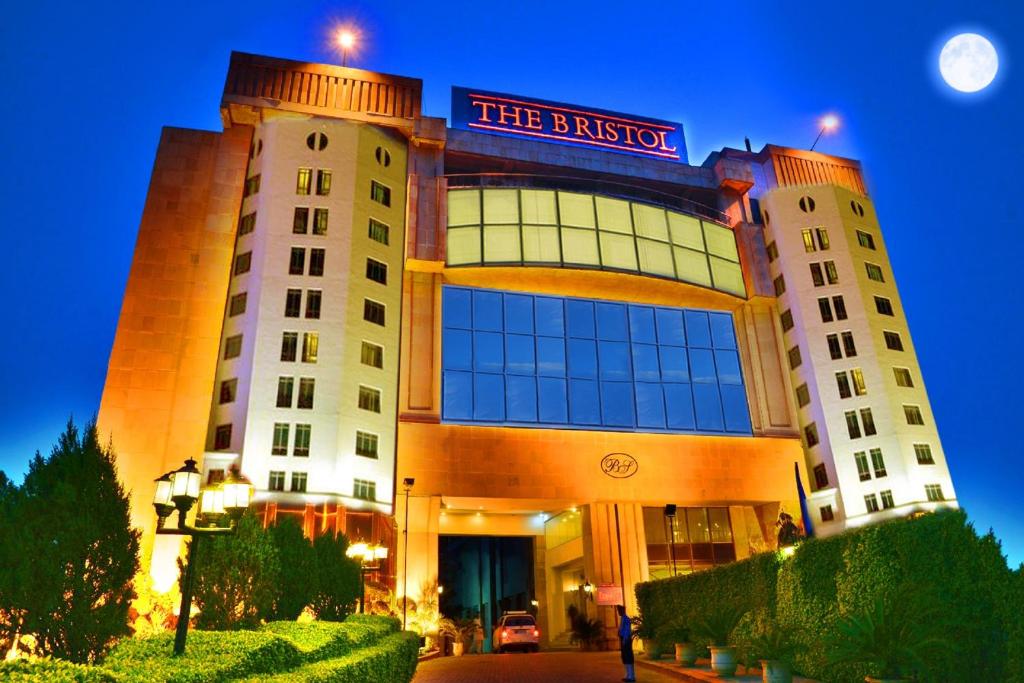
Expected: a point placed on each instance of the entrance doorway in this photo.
(484, 576)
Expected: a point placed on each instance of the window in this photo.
(364, 490)
(871, 501)
(303, 434)
(247, 223)
(840, 306)
(276, 482)
(857, 207)
(284, 391)
(298, 482)
(826, 513)
(313, 303)
(825, 309)
(852, 426)
(868, 420)
(215, 476)
(887, 501)
(293, 303)
(878, 463)
(222, 438)
(834, 350)
(822, 235)
(372, 355)
(780, 285)
(369, 399)
(237, 304)
(233, 347)
(934, 492)
(843, 381)
(893, 341)
(865, 240)
(848, 346)
(808, 238)
(280, 446)
(924, 454)
(228, 390)
(323, 183)
(831, 273)
(304, 181)
(380, 193)
(289, 346)
(794, 358)
(366, 444)
(252, 186)
(883, 305)
(373, 312)
(803, 395)
(858, 382)
(243, 262)
(316, 262)
(378, 232)
(903, 377)
(806, 204)
(319, 221)
(297, 263)
(811, 434)
(862, 465)
(376, 271)
(773, 251)
(300, 222)
(787, 320)
(817, 276)
(874, 272)
(913, 415)
(383, 157)
(310, 346)
(314, 144)
(820, 476)
(306, 386)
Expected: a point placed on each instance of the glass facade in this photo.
(701, 538)
(558, 228)
(545, 361)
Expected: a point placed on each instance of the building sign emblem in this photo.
(516, 116)
(619, 465)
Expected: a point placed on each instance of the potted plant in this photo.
(644, 631)
(775, 650)
(677, 632)
(717, 626)
(892, 638)
(586, 633)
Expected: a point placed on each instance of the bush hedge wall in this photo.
(964, 576)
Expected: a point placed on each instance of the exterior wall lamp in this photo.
(367, 554)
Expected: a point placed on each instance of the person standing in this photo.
(478, 638)
(626, 643)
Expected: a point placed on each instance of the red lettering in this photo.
(483, 109)
(629, 129)
(558, 123)
(664, 145)
(583, 125)
(533, 119)
(504, 116)
(640, 136)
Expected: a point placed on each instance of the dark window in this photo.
(883, 305)
(252, 186)
(934, 492)
(811, 435)
(843, 382)
(822, 235)
(862, 465)
(794, 358)
(297, 263)
(893, 341)
(300, 222)
(848, 346)
(364, 490)
(840, 307)
(316, 262)
(284, 391)
(378, 232)
(366, 444)
(323, 183)
(243, 262)
(306, 387)
(232, 346)
(298, 482)
(372, 355)
(865, 240)
(857, 207)
(820, 476)
(780, 285)
(787, 320)
(380, 193)
(376, 271)
(293, 303)
(924, 454)
(247, 223)
(803, 395)
(869, 421)
(215, 476)
(280, 446)
(289, 346)
(373, 312)
(237, 305)
(831, 273)
(276, 481)
(773, 251)
(313, 303)
(878, 462)
(303, 434)
(228, 390)
(874, 272)
(871, 502)
(383, 157)
(369, 399)
(826, 513)
(852, 426)
(887, 501)
(913, 415)
(320, 221)
(303, 181)
(316, 142)
(834, 350)
(817, 276)
(825, 309)
(806, 204)
(222, 438)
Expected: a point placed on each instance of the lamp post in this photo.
(828, 124)
(408, 483)
(366, 554)
(346, 39)
(220, 507)
(670, 515)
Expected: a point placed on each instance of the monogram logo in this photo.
(619, 465)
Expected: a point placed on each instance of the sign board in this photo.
(609, 594)
(619, 465)
(567, 124)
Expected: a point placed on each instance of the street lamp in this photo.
(408, 483)
(220, 507)
(346, 39)
(367, 554)
(828, 124)
(670, 515)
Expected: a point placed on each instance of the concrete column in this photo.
(424, 514)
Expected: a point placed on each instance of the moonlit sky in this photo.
(87, 87)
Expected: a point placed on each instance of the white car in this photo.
(516, 630)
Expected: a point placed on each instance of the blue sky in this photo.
(87, 87)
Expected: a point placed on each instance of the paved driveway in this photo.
(542, 667)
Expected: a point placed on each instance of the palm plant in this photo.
(585, 632)
(718, 625)
(773, 644)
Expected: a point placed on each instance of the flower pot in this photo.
(775, 671)
(686, 654)
(872, 679)
(723, 660)
(458, 648)
(651, 648)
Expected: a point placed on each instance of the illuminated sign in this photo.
(515, 116)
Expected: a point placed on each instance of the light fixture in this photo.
(237, 493)
(440, 590)
(829, 123)
(162, 498)
(185, 485)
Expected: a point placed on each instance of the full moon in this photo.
(968, 62)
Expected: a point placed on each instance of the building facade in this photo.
(543, 318)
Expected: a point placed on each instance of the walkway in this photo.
(543, 667)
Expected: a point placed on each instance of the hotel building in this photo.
(540, 312)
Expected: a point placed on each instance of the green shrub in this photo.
(297, 581)
(1014, 620)
(393, 660)
(54, 671)
(321, 640)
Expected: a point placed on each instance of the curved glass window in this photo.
(529, 227)
(543, 361)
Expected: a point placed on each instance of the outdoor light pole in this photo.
(670, 514)
(220, 508)
(829, 123)
(408, 482)
(366, 554)
(346, 39)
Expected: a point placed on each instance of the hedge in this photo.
(952, 569)
(54, 671)
(392, 661)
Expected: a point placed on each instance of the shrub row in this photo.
(391, 661)
(960, 575)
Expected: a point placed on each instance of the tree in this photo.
(298, 580)
(75, 552)
(337, 578)
(11, 609)
(235, 577)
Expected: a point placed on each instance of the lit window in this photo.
(903, 377)
(822, 235)
(934, 492)
(859, 387)
(366, 444)
(787, 320)
(228, 390)
(310, 346)
(871, 501)
(323, 183)
(874, 272)
(913, 415)
(811, 435)
(376, 271)
(300, 222)
(865, 240)
(247, 223)
(237, 304)
(826, 513)
(883, 305)
(806, 204)
(877, 462)
(887, 501)
(285, 385)
(378, 232)
(243, 262)
(369, 399)
(303, 434)
(297, 262)
(276, 481)
(313, 297)
(868, 420)
(831, 274)
(293, 303)
(298, 482)
(319, 221)
(803, 395)
(848, 346)
(825, 309)
(306, 387)
(852, 426)
(820, 476)
(808, 238)
(373, 312)
(817, 276)
(863, 470)
(794, 358)
(364, 490)
(280, 446)
(843, 381)
(893, 341)
(289, 346)
(233, 346)
(222, 438)
(316, 262)
(304, 181)
(372, 355)
(380, 193)
(840, 306)
(924, 454)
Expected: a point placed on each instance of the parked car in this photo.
(516, 630)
